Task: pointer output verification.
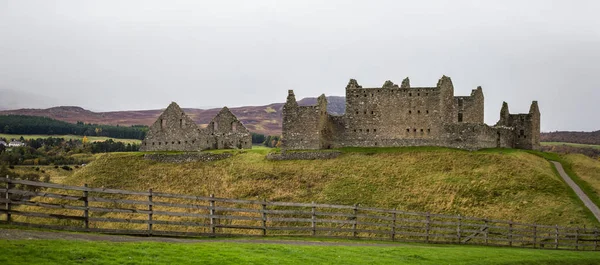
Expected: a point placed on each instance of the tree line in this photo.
(572, 137)
(266, 140)
(58, 151)
(21, 124)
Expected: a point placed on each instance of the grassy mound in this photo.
(499, 184)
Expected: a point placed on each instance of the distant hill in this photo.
(572, 137)
(259, 119)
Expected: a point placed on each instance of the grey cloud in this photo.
(117, 55)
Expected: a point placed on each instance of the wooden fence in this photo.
(152, 213)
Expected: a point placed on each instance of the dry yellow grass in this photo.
(56, 175)
(588, 170)
(510, 185)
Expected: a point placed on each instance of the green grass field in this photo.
(88, 252)
(570, 144)
(68, 137)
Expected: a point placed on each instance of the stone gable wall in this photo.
(172, 131)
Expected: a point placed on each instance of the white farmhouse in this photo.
(15, 143)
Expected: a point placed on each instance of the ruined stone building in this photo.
(394, 115)
(175, 131)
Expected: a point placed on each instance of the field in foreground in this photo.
(498, 184)
(69, 137)
(222, 252)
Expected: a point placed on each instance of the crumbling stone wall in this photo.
(470, 109)
(227, 132)
(301, 124)
(526, 126)
(303, 155)
(175, 131)
(186, 157)
(394, 115)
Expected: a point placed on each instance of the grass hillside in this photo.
(588, 173)
(499, 184)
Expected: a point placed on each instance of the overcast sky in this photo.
(125, 55)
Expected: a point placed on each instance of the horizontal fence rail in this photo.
(74, 208)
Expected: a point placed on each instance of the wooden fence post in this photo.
(510, 233)
(211, 215)
(595, 238)
(150, 212)
(394, 225)
(86, 221)
(313, 220)
(486, 231)
(427, 227)
(458, 228)
(556, 236)
(534, 235)
(264, 217)
(577, 239)
(355, 220)
(7, 197)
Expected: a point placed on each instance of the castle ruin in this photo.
(175, 131)
(394, 115)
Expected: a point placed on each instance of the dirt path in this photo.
(24, 234)
(586, 200)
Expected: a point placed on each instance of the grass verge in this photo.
(94, 252)
(573, 164)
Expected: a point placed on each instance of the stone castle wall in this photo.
(394, 115)
(175, 131)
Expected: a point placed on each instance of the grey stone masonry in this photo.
(175, 131)
(393, 115)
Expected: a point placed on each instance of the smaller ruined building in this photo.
(401, 115)
(175, 131)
